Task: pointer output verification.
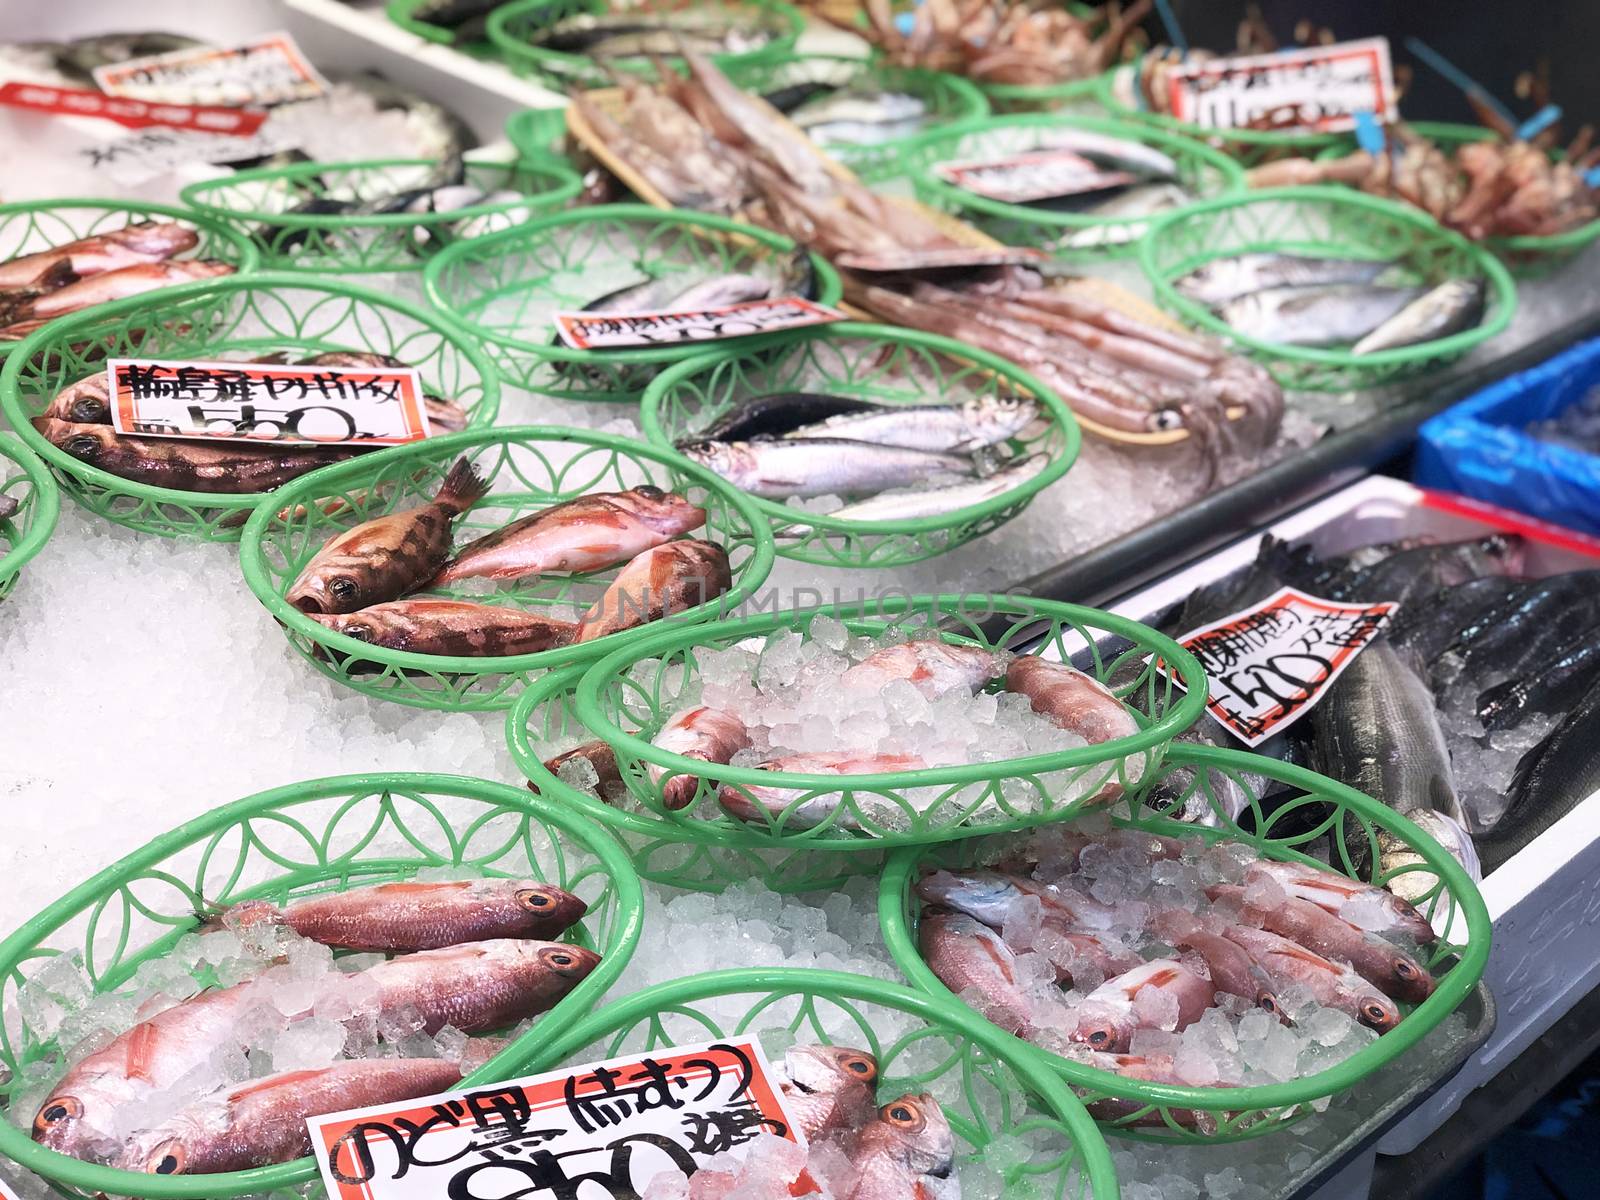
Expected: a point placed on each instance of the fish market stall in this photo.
(619, 489)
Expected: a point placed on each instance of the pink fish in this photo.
(1108, 1016)
(1331, 891)
(1231, 968)
(829, 1088)
(760, 802)
(665, 581)
(969, 957)
(907, 1144)
(709, 734)
(1078, 703)
(1331, 984)
(932, 666)
(144, 241)
(992, 896)
(1148, 1068)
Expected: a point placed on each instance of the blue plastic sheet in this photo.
(1480, 448)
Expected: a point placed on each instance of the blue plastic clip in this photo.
(1540, 121)
(1592, 177)
(1174, 30)
(1369, 134)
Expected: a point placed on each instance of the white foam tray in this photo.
(1546, 911)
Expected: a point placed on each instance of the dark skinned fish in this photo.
(459, 628)
(660, 582)
(779, 413)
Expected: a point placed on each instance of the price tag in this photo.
(1269, 665)
(151, 152)
(331, 406)
(954, 257)
(136, 114)
(606, 1129)
(1037, 175)
(613, 331)
(1311, 87)
(268, 70)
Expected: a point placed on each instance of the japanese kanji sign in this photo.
(606, 331)
(1269, 665)
(147, 153)
(268, 70)
(1309, 87)
(363, 406)
(1036, 175)
(597, 1131)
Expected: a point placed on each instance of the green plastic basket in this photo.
(528, 468)
(1250, 147)
(884, 364)
(504, 288)
(24, 478)
(538, 134)
(1075, 237)
(30, 226)
(626, 696)
(512, 25)
(1020, 97)
(403, 14)
(1331, 221)
(985, 1087)
(1528, 256)
(381, 242)
(949, 99)
(324, 835)
(1326, 809)
(244, 315)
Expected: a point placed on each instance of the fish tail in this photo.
(461, 489)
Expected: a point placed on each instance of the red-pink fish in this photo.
(932, 666)
(144, 241)
(907, 1144)
(1331, 984)
(709, 734)
(761, 802)
(1077, 702)
(969, 957)
(829, 1088)
(661, 582)
(1331, 891)
(1108, 1016)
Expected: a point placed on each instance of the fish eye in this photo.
(167, 1159)
(82, 446)
(361, 632)
(1099, 1037)
(650, 492)
(560, 959)
(57, 1110)
(859, 1065)
(1376, 1013)
(1267, 1002)
(344, 589)
(89, 412)
(900, 1113)
(529, 898)
(1404, 969)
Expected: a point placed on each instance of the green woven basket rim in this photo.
(400, 12)
(1172, 143)
(258, 578)
(482, 412)
(516, 51)
(912, 78)
(1503, 292)
(829, 287)
(520, 134)
(782, 515)
(44, 505)
(1452, 989)
(1043, 93)
(245, 250)
(567, 184)
(590, 713)
(840, 986)
(1552, 244)
(18, 1146)
(1263, 139)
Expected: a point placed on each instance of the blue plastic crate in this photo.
(1478, 447)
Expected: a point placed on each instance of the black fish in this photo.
(1543, 614)
(791, 96)
(778, 413)
(1554, 689)
(1428, 628)
(466, 19)
(1551, 780)
(1406, 573)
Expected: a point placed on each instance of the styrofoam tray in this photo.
(1546, 912)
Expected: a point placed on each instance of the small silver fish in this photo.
(1453, 306)
(933, 502)
(976, 422)
(1316, 316)
(775, 470)
(1225, 279)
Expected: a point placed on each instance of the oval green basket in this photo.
(30, 226)
(884, 364)
(246, 314)
(1453, 905)
(1332, 221)
(948, 99)
(512, 25)
(24, 478)
(324, 835)
(1021, 97)
(538, 134)
(1250, 147)
(403, 13)
(626, 696)
(528, 468)
(1527, 255)
(383, 241)
(986, 1088)
(1073, 237)
(505, 288)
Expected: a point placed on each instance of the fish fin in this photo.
(141, 1051)
(461, 489)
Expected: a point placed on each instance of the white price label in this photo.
(268, 70)
(605, 1129)
(331, 406)
(147, 153)
(614, 331)
(1308, 88)
(1036, 175)
(1269, 665)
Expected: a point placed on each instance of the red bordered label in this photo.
(613, 331)
(606, 1129)
(135, 114)
(1037, 175)
(1308, 88)
(328, 406)
(268, 70)
(1269, 665)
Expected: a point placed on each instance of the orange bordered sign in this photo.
(604, 1129)
(1267, 666)
(1316, 88)
(266, 70)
